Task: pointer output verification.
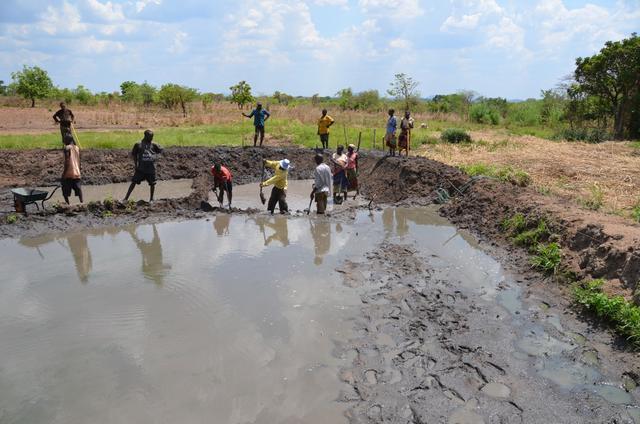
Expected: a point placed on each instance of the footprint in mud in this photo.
(496, 390)
(371, 376)
(465, 415)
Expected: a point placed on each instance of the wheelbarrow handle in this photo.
(48, 197)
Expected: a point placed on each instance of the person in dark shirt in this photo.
(259, 116)
(64, 117)
(144, 156)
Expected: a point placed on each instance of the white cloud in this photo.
(178, 45)
(93, 45)
(507, 35)
(142, 4)
(465, 22)
(342, 3)
(400, 43)
(107, 11)
(591, 24)
(394, 9)
(66, 19)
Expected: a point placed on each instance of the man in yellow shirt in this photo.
(279, 181)
(324, 123)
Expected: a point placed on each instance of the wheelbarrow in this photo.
(26, 196)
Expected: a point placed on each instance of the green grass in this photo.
(12, 218)
(635, 212)
(503, 173)
(234, 134)
(514, 225)
(532, 236)
(595, 200)
(547, 258)
(621, 314)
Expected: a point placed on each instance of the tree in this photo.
(345, 98)
(3, 88)
(405, 88)
(172, 95)
(32, 83)
(613, 77)
(367, 100)
(282, 98)
(241, 94)
(147, 93)
(83, 95)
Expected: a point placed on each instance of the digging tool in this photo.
(75, 135)
(308, 210)
(262, 198)
(345, 135)
(359, 140)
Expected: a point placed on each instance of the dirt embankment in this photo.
(594, 245)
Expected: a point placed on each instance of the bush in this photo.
(623, 315)
(455, 135)
(483, 114)
(547, 257)
(589, 135)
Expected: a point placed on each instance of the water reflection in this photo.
(153, 266)
(278, 224)
(221, 224)
(321, 234)
(81, 255)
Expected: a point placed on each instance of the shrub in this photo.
(547, 257)
(596, 198)
(455, 135)
(589, 135)
(483, 114)
(623, 315)
(505, 173)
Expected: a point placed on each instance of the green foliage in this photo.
(607, 88)
(172, 95)
(589, 135)
(3, 88)
(12, 218)
(455, 135)
(503, 173)
(108, 203)
(458, 103)
(107, 214)
(532, 236)
(514, 225)
(404, 88)
(547, 257)
(83, 95)
(621, 314)
(32, 83)
(595, 200)
(241, 94)
(482, 113)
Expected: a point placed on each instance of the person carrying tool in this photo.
(222, 180)
(340, 182)
(71, 174)
(390, 136)
(321, 189)
(324, 123)
(352, 169)
(279, 181)
(404, 140)
(64, 117)
(144, 156)
(260, 116)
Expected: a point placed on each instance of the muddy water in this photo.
(235, 319)
(170, 189)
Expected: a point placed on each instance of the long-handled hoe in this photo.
(262, 198)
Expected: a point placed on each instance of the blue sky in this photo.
(506, 48)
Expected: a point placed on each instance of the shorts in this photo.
(324, 138)
(225, 185)
(140, 176)
(340, 183)
(68, 184)
(259, 129)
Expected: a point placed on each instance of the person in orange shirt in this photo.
(324, 123)
(222, 180)
(71, 174)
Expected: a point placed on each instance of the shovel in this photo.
(308, 210)
(262, 198)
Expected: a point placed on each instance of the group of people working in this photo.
(340, 178)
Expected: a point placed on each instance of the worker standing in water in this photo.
(321, 189)
(144, 156)
(222, 180)
(279, 182)
(71, 174)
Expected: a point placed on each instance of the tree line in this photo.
(601, 98)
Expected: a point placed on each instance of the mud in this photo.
(473, 344)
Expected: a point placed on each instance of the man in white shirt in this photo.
(323, 179)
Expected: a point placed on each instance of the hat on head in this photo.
(284, 164)
(351, 146)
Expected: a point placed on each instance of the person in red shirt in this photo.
(222, 180)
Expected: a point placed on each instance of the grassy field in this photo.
(279, 131)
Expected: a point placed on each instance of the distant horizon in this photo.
(498, 48)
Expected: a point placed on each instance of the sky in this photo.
(497, 48)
